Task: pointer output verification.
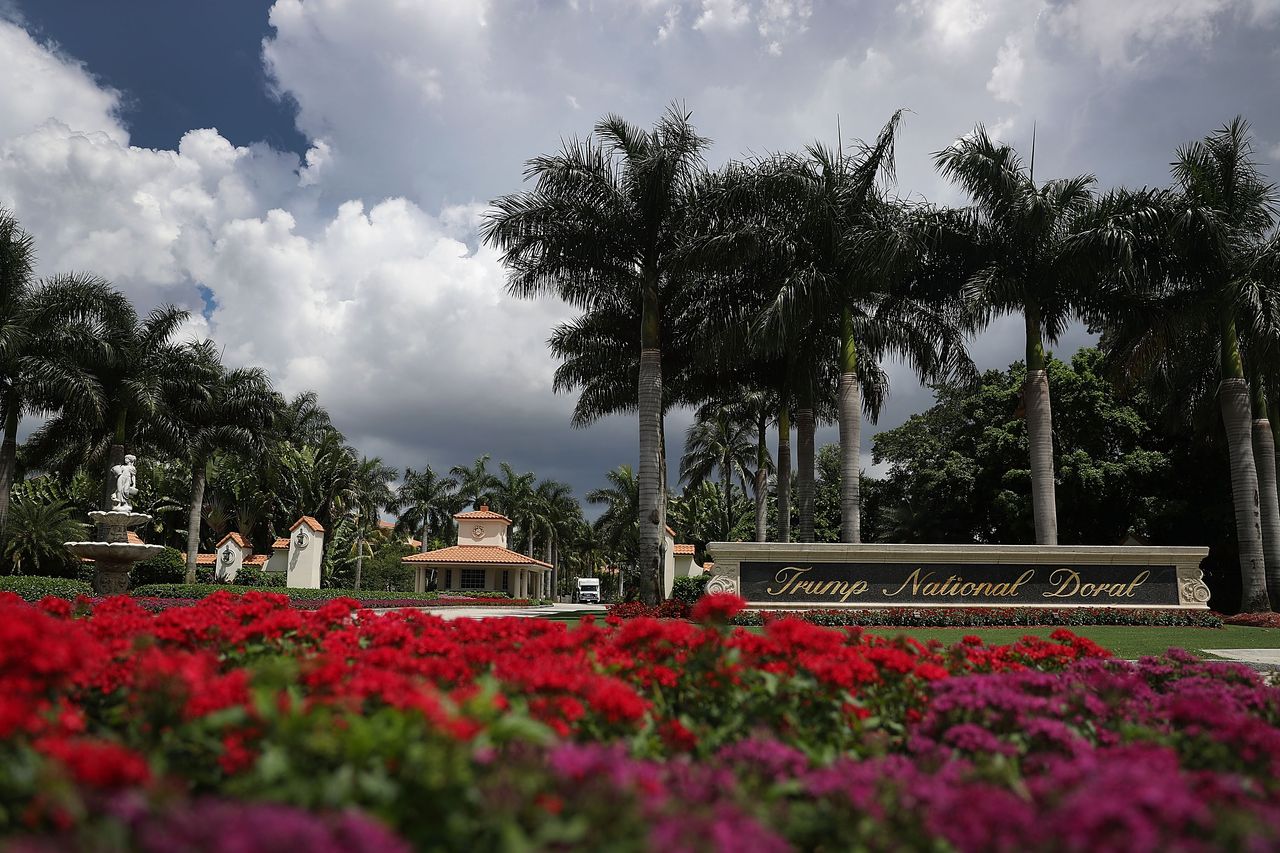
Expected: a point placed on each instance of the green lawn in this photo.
(1124, 642)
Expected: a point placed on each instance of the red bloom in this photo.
(97, 763)
(717, 609)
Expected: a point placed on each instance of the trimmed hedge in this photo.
(32, 588)
(200, 590)
(989, 617)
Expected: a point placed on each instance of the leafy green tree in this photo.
(603, 226)
(1023, 260)
(957, 472)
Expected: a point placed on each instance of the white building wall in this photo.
(305, 555)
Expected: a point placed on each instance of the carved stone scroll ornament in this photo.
(722, 583)
(1193, 590)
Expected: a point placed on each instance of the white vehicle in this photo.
(588, 591)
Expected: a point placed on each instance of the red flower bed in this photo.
(482, 734)
(1255, 620)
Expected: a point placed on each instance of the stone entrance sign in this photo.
(783, 576)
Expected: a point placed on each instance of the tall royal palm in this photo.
(216, 411)
(1018, 234)
(606, 217)
(1212, 286)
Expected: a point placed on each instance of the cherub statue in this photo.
(126, 484)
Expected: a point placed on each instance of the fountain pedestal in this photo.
(114, 555)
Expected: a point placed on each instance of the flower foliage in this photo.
(336, 728)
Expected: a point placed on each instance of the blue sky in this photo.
(182, 65)
(306, 175)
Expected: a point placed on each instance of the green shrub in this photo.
(250, 576)
(35, 588)
(166, 567)
(689, 590)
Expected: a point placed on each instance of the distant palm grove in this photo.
(769, 293)
(766, 296)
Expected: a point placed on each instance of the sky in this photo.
(306, 176)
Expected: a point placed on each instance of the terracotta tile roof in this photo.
(706, 567)
(670, 532)
(255, 560)
(133, 538)
(483, 513)
(491, 554)
(385, 525)
(203, 559)
(280, 545)
(236, 538)
(682, 549)
(309, 522)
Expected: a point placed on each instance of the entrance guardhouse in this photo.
(481, 560)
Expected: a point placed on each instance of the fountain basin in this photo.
(114, 555)
(113, 552)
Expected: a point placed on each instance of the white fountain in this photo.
(115, 555)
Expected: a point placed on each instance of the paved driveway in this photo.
(546, 611)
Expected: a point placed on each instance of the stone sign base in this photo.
(792, 575)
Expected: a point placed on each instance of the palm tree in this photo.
(45, 330)
(1205, 288)
(38, 531)
(559, 514)
(216, 411)
(132, 365)
(315, 480)
(368, 493)
(513, 496)
(475, 484)
(425, 502)
(603, 224)
(718, 441)
(617, 528)
(1019, 235)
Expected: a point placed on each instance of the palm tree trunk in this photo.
(784, 474)
(804, 467)
(850, 435)
(726, 483)
(193, 518)
(8, 458)
(1040, 435)
(1233, 399)
(760, 485)
(1264, 458)
(651, 457)
(360, 559)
